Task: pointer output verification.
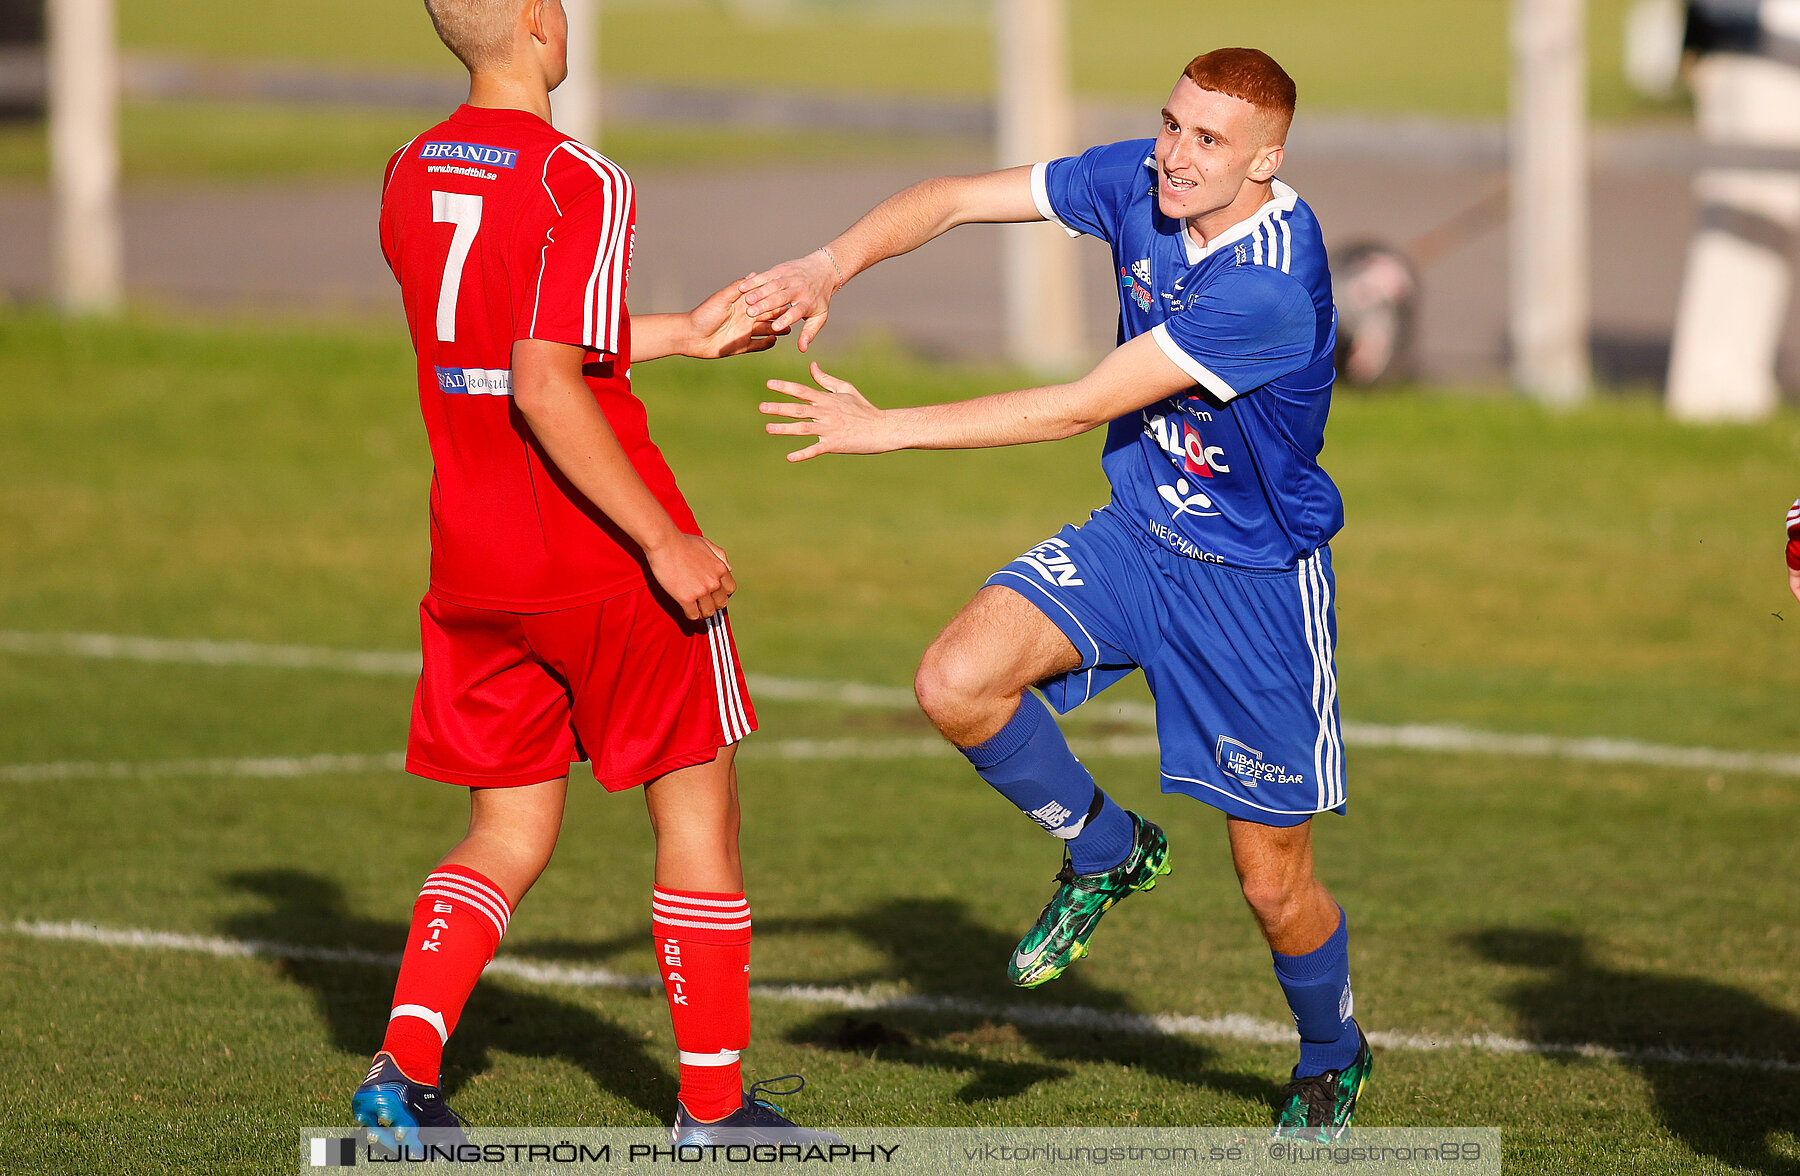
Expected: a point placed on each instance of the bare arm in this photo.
(844, 421)
(562, 414)
(803, 288)
(718, 327)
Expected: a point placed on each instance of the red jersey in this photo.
(500, 227)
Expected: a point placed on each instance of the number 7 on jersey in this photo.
(464, 211)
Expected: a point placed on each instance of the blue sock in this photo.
(1029, 762)
(1317, 985)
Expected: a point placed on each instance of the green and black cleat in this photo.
(1060, 935)
(1318, 1109)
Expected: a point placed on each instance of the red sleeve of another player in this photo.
(578, 290)
(1793, 530)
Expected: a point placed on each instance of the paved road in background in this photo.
(309, 249)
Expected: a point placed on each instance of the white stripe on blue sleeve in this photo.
(1040, 196)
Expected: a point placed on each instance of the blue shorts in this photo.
(1240, 662)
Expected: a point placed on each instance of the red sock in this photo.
(703, 949)
(456, 928)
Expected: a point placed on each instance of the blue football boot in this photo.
(401, 1116)
(757, 1121)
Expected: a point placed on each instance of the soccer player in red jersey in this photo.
(575, 609)
(1793, 548)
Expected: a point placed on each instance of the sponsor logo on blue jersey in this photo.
(1134, 281)
(1186, 499)
(1051, 559)
(1184, 441)
(471, 153)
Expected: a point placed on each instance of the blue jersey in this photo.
(1227, 472)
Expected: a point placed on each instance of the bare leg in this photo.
(694, 813)
(512, 832)
(970, 679)
(1275, 868)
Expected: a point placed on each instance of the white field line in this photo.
(1232, 1026)
(254, 767)
(1591, 749)
(290, 767)
(1409, 737)
(386, 663)
(110, 647)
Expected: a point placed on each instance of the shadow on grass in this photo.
(931, 946)
(1727, 1112)
(937, 950)
(354, 998)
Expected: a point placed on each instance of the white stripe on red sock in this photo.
(736, 900)
(476, 884)
(430, 1016)
(461, 888)
(664, 918)
(670, 910)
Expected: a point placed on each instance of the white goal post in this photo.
(87, 242)
(1548, 257)
(1035, 119)
(575, 106)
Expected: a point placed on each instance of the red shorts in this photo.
(508, 699)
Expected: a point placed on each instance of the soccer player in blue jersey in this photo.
(1209, 569)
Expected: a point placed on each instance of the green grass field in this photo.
(1597, 573)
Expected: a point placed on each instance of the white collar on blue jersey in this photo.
(1284, 199)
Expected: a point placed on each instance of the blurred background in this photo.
(1563, 239)
(757, 127)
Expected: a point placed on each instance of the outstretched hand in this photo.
(837, 414)
(724, 325)
(793, 291)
